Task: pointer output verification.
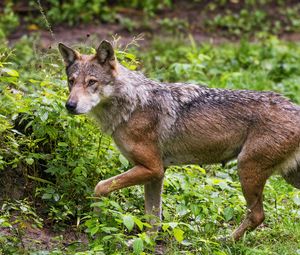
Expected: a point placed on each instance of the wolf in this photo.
(156, 125)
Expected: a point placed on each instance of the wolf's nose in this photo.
(71, 106)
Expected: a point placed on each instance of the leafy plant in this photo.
(8, 21)
(62, 157)
(16, 217)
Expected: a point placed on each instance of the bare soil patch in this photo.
(190, 18)
(32, 239)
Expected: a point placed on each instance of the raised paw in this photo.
(101, 189)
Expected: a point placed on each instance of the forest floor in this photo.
(179, 21)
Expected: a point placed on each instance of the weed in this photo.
(8, 21)
(62, 157)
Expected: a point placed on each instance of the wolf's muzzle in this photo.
(71, 106)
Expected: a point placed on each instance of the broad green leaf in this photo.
(173, 224)
(138, 246)
(228, 213)
(116, 205)
(10, 72)
(4, 223)
(123, 161)
(44, 116)
(223, 185)
(109, 230)
(29, 161)
(139, 223)
(62, 144)
(178, 234)
(97, 204)
(94, 230)
(97, 249)
(165, 226)
(128, 222)
(47, 196)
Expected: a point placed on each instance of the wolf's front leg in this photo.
(153, 201)
(137, 175)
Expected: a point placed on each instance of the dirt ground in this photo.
(149, 27)
(91, 34)
(32, 238)
(189, 17)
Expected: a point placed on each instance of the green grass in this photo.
(66, 155)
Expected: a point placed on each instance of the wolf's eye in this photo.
(92, 82)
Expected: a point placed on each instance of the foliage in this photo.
(17, 217)
(55, 149)
(174, 25)
(270, 65)
(77, 11)
(230, 18)
(242, 18)
(62, 157)
(149, 6)
(8, 21)
(74, 12)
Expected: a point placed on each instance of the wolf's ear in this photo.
(105, 53)
(69, 55)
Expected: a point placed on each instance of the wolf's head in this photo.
(90, 77)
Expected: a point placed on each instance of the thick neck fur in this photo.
(129, 94)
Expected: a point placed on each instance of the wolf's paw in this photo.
(101, 190)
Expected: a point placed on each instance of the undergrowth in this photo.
(249, 18)
(61, 158)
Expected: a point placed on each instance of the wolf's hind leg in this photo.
(153, 201)
(252, 180)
